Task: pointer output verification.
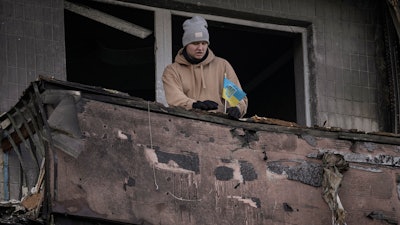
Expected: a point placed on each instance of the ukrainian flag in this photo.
(232, 93)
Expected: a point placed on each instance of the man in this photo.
(195, 80)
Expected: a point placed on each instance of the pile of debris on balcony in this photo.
(14, 212)
(28, 209)
(113, 158)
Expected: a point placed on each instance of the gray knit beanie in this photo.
(195, 29)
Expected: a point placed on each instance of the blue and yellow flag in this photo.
(232, 93)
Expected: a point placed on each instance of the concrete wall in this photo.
(347, 78)
(31, 44)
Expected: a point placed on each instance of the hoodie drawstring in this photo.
(202, 77)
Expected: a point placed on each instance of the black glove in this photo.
(205, 105)
(233, 112)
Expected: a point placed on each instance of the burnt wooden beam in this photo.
(5, 143)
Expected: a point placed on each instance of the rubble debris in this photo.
(26, 211)
(258, 119)
(32, 201)
(334, 166)
(13, 212)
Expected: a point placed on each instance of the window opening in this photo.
(100, 55)
(268, 61)
(263, 59)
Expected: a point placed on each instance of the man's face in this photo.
(197, 49)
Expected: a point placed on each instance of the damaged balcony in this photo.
(99, 156)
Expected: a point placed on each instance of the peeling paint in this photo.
(237, 170)
(305, 172)
(223, 173)
(230, 169)
(271, 176)
(173, 162)
(253, 201)
(122, 136)
(247, 171)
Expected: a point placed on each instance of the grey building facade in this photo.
(343, 56)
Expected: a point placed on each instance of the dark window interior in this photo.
(102, 56)
(263, 61)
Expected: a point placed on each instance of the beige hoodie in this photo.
(185, 83)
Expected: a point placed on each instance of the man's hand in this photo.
(205, 105)
(233, 112)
